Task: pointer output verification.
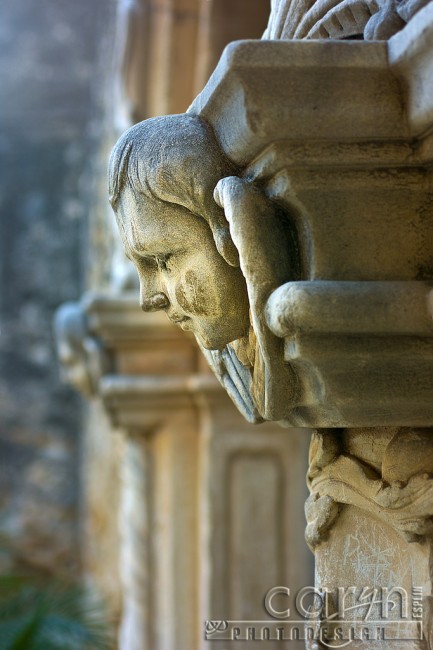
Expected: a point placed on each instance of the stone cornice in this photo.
(317, 89)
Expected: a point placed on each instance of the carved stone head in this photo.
(162, 175)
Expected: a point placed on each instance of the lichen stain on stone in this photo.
(191, 294)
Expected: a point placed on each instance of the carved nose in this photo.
(155, 303)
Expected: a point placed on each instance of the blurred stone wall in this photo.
(55, 58)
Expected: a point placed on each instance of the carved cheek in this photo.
(194, 294)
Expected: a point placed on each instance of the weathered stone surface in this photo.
(371, 492)
(315, 213)
(327, 214)
(183, 482)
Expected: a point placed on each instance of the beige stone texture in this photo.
(301, 163)
(201, 508)
(285, 220)
(314, 181)
(370, 506)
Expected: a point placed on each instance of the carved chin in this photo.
(209, 343)
(213, 340)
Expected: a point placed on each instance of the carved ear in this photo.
(225, 245)
(221, 234)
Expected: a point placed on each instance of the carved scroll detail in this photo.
(405, 505)
(82, 356)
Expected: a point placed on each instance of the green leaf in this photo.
(53, 617)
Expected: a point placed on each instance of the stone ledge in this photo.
(317, 89)
(141, 404)
(263, 91)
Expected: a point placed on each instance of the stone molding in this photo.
(140, 404)
(316, 88)
(114, 351)
(375, 339)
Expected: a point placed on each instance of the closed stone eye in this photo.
(162, 261)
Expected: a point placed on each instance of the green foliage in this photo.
(54, 617)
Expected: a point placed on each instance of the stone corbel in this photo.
(149, 385)
(339, 141)
(301, 192)
(302, 173)
(154, 365)
(313, 163)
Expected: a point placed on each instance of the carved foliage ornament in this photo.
(340, 19)
(399, 494)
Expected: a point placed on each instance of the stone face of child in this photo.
(209, 247)
(181, 270)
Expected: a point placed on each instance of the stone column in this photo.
(158, 515)
(158, 523)
(134, 560)
(251, 515)
(371, 507)
(147, 397)
(210, 509)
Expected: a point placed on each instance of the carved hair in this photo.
(175, 159)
